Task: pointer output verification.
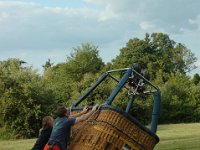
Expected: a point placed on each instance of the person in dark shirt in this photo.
(44, 134)
(60, 135)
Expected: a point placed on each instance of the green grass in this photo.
(172, 137)
(16, 144)
(5, 135)
(179, 137)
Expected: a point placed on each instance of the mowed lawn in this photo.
(172, 137)
(179, 137)
(17, 144)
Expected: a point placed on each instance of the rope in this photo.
(87, 120)
(105, 122)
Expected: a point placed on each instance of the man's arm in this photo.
(85, 109)
(87, 115)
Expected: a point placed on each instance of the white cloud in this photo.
(171, 15)
(36, 58)
(4, 15)
(146, 25)
(190, 37)
(198, 63)
(107, 14)
(39, 29)
(197, 70)
(191, 21)
(35, 26)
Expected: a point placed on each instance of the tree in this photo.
(84, 59)
(178, 105)
(156, 52)
(183, 59)
(195, 97)
(66, 79)
(47, 64)
(196, 78)
(167, 62)
(57, 80)
(24, 100)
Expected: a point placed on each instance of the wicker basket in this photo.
(111, 129)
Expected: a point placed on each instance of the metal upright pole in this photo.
(156, 111)
(119, 86)
(90, 90)
(130, 102)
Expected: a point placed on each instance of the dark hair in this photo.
(60, 112)
(45, 122)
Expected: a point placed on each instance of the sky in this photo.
(38, 30)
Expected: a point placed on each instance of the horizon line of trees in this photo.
(27, 96)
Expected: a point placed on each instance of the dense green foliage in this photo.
(27, 96)
(156, 52)
(23, 98)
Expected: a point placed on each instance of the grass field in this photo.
(172, 137)
(179, 137)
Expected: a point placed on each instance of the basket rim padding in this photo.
(129, 117)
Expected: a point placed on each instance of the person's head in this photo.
(62, 112)
(47, 121)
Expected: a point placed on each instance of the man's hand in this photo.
(87, 115)
(85, 109)
(95, 107)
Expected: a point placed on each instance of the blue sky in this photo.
(36, 30)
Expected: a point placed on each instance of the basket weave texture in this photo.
(110, 130)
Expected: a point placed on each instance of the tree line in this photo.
(27, 96)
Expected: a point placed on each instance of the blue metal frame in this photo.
(119, 86)
(130, 102)
(128, 72)
(103, 77)
(156, 111)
